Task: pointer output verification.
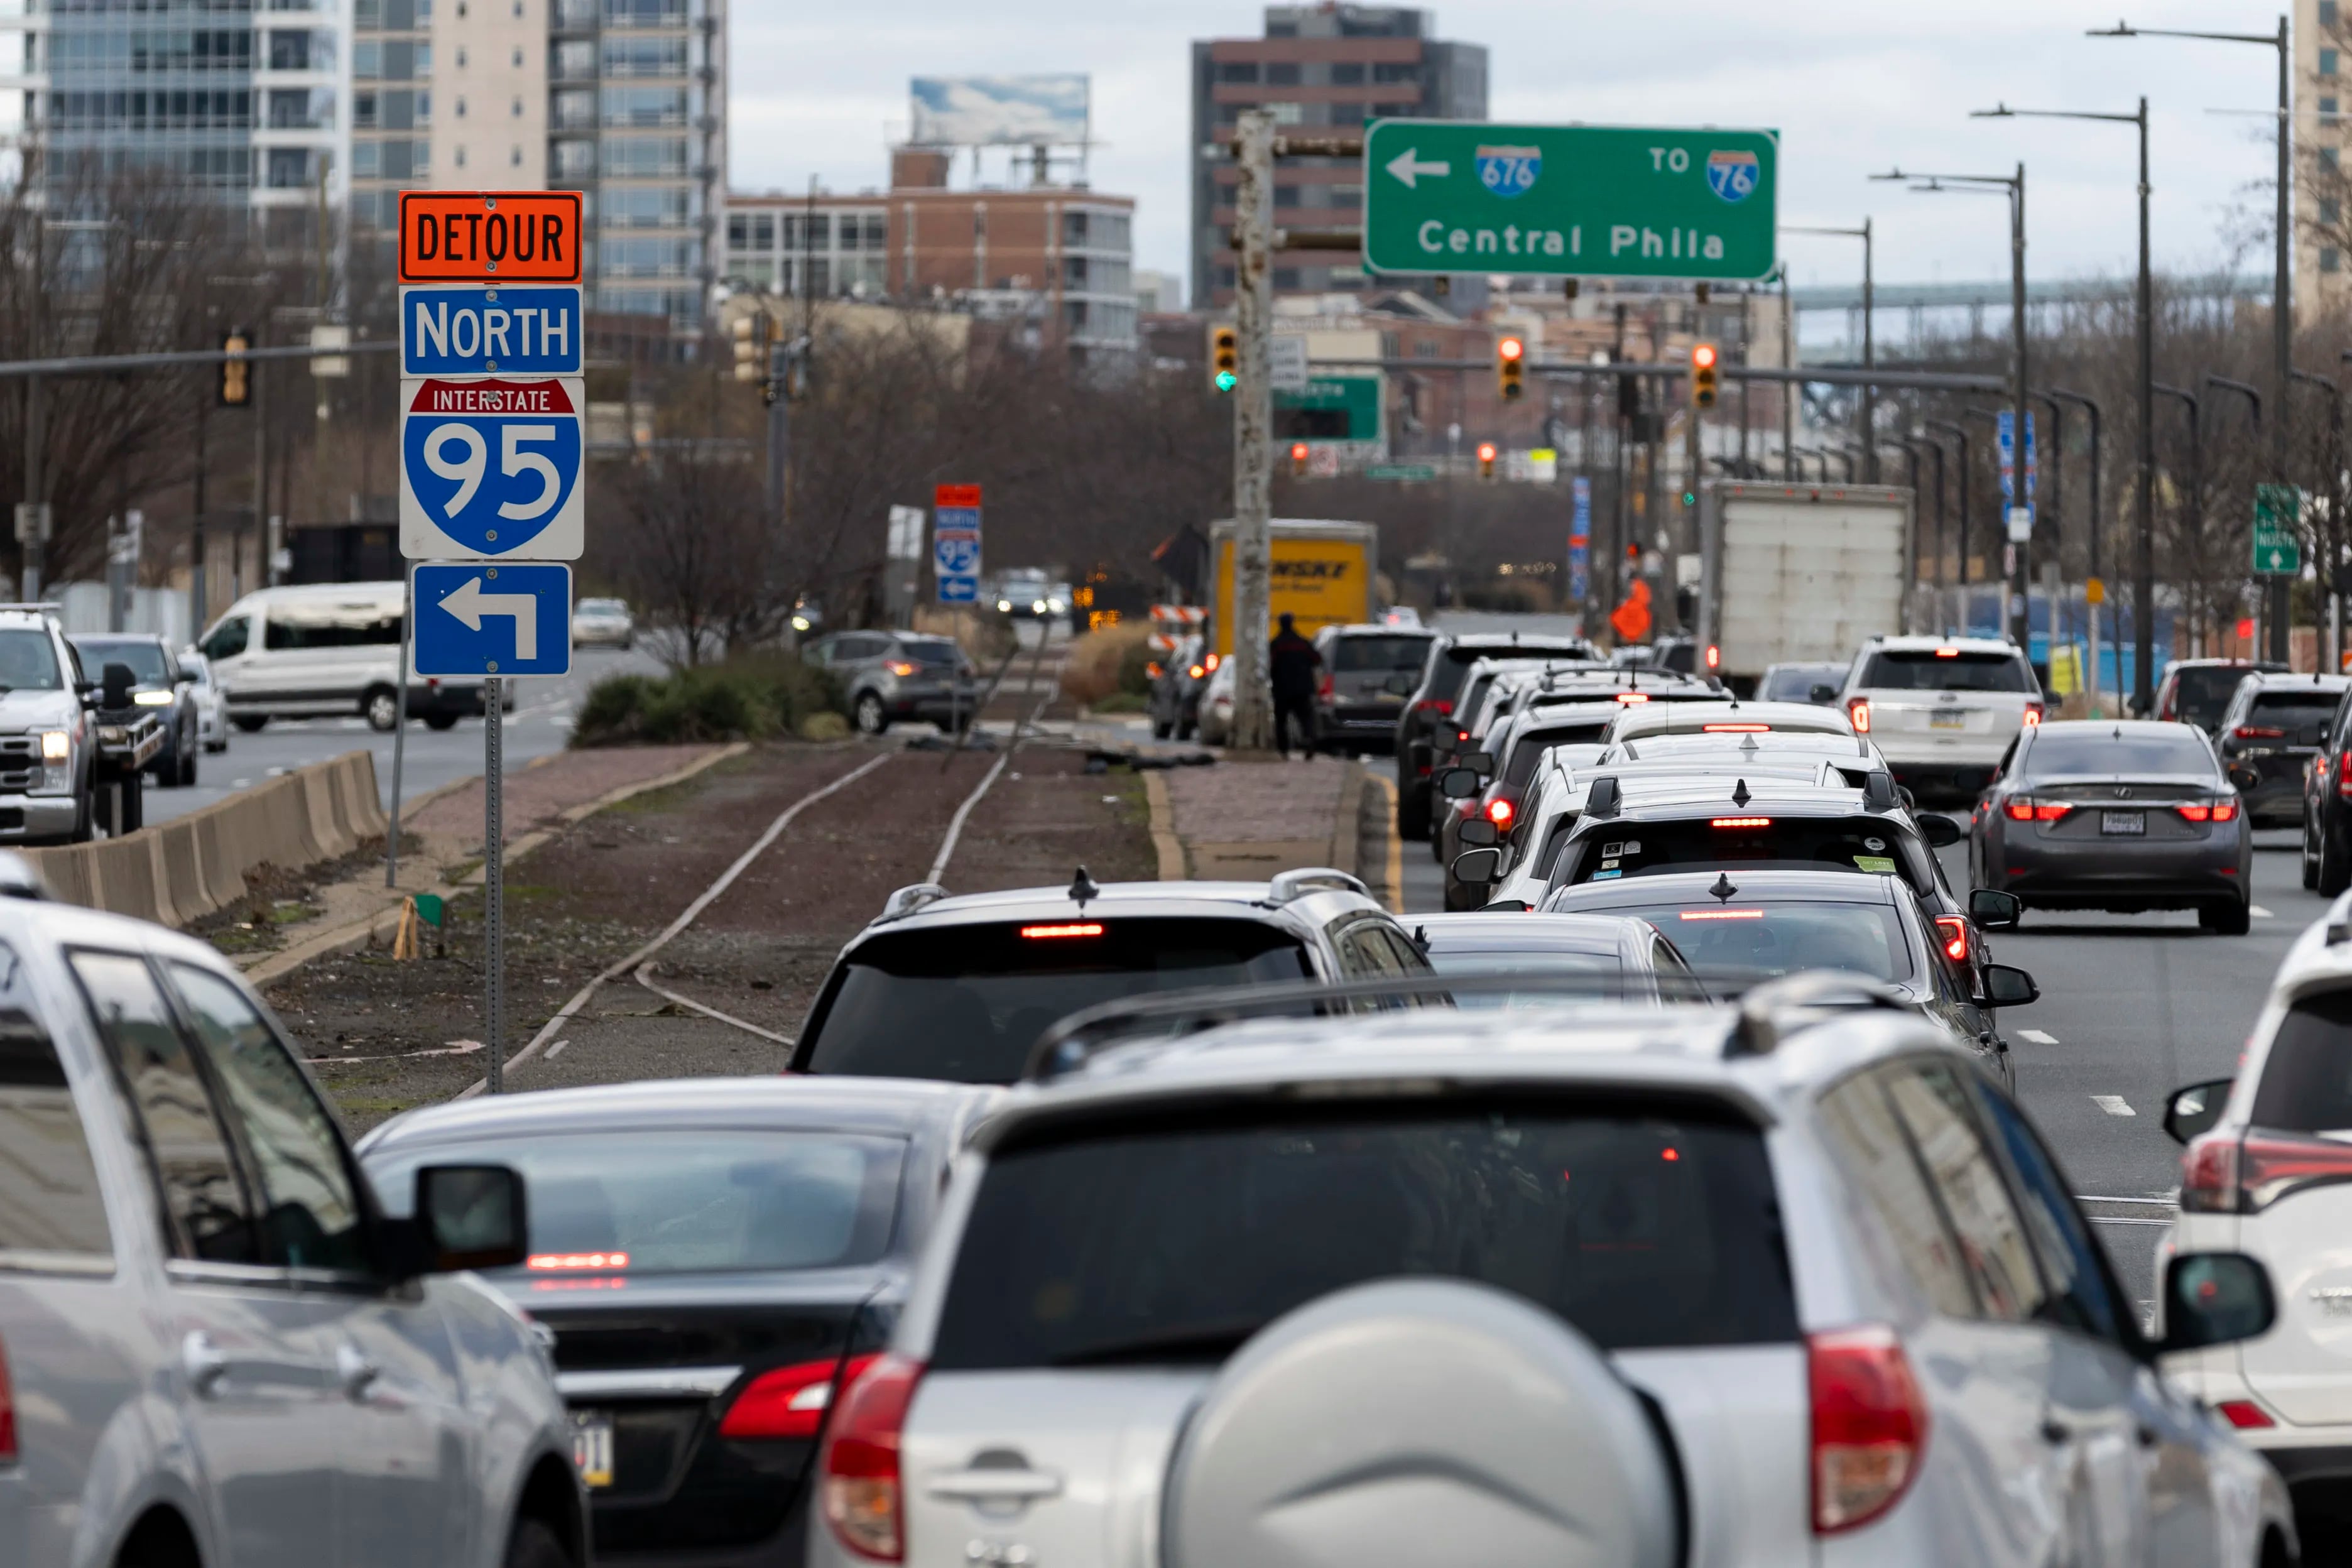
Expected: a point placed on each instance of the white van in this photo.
(327, 648)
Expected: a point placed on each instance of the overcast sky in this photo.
(1853, 85)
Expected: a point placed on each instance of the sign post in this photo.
(955, 542)
(492, 447)
(2278, 540)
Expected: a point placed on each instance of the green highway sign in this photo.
(1583, 201)
(2278, 542)
(1409, 473)
(1340, 409)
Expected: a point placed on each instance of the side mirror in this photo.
(1398, 685)
(2193, 1111)
(115, 686)
(1823, 694)
(2131, 706)
(185, 678)
(2244, 777)
(2006, 985)
(1477, 867)
(2215, 1299)
(1444, 739)
(1480, 763)
(471, 1216)
(1940, 831)
(1479, 833)
(1458, 783)
(1994, 910)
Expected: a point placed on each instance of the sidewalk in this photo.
(1245, 821)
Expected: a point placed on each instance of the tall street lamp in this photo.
(2089, 406)
(2019, 627)
(2335, 495)
(1935, 448)
(2282, 284)
(2144, 310)
(2196, 495)
(1959, 433)
(1869, 411)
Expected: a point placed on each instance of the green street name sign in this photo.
(2278, 542)
(1569, 200)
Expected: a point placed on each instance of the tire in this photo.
(1412, 813)
(441, 722)
(2235, 917)
(2307, 862)
(134, 805)
(533, 1545)
(2333, 872)
(1162, 730)
(251, 723)
(85, 827)
(189, 751)
(870, 715)
(380, 706)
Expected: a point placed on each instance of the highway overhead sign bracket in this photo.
(1570, 200)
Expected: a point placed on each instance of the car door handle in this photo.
(355, 1371)
(995, 1486)
(203, 1363)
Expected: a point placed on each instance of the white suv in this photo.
(1943, 710)
(1842, 1273)
(2268, 1172)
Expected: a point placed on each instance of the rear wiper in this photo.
(1211, 1340)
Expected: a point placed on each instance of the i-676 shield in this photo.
(490, 470)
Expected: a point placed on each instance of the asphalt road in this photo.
(2133, 1006)
(541, 723)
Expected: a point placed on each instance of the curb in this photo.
(1164, 842)
(367, 931)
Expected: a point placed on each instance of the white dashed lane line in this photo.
(2037, 1037)
(2260, 914)
(2113, 1104)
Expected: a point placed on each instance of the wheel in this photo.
(1412, 813)
(85, 827)
(251, 723)
(2235, 917)
(871, 718)
(381, 706)
(2333, 872)
(441, 722)
(2307, 862)
(188, 753)
(217, 747)
(1162, 730)
(134, 804)
(532, 1545)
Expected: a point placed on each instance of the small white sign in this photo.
(906, 538)
(2020, 524)
(1286, 364)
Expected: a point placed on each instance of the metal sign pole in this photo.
(494, 877)
(400, 729)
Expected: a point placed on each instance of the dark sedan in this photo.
(161, 686)
(715, 1257)
(2130, 815)
(1366, 673)
(2274, 726)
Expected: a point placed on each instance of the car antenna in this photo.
(1739, 796)
(1723, 890)
(1082, 888)
(1421, 939)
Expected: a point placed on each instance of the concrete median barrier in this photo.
(195, 865)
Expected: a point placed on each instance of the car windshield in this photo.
(969, 1002)
(1755, 839)
(1352, 656)
(1643, 1223)
(145, 658)
(677, 1200)
(28, 661)
(1927, 670)
(1767, 937)
(2168, 749)
(2203, 692)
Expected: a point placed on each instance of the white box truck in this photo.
(1800, 574)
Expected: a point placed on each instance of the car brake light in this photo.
(1869, 1421)
(900, 668)
(2199, 811)
(1073, 928)
(1629, 697)
(864, 1502)
(2032, 714)
(1948, 653)
(2258, 732)
(2344, 774)
(1737, 729)
(1438, 705)
(2225, 1173)
(1954, 933)
(1719, 914)
(1325, 685)
(7, 1413)
(2244, 1414)
(573, 1262)
(1197, 671)
(2025, 808)
(1713, 656)
(790, 1401)
(1741, 822)
(1857, 713)
(2225, 810)
(1500, 812)
(1212, 662)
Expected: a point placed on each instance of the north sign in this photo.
(490, 330)
(490, 468)
(1569, 200)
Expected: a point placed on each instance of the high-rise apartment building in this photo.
(2323, 186)
(1320, 65)
(625, 101)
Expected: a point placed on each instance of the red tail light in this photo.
(2025, 808)
(1436, 705)
(2244, 1414)
(1500, 812)
(1629, 698)
(7, 1413)
(1212, 662)
(1737, 729)
(2344, 775)
(1870, 1425)
(1325, 685)
(2032, 714)
(2216, 810)
(789, 1401)
(2225, 811)
(1197, 671)
(1741, 822)
(1857, 713)
(864, 1500)
(1713, 656)
(1953, 931)
(2228, 1173)
(2258, 732)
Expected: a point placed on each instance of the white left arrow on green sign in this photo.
(1408, 166)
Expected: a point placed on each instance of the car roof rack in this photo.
(1289, 886)
(1763, 1023)
(909, 899)
(35, 604)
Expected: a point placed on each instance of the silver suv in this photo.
(212, 1349)
(1838, 1264)
(48, 743)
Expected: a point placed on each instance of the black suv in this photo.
(1449, 659)
(2328, 807)
(2272, 729)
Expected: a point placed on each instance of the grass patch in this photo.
(743, 699)
(1121, 702)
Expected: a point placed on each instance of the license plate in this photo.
(592, 1448)
(2127, 822)
(1949, 719)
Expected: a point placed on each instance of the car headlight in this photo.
(800, 623)
(56, 745)
(1005, 605)
(152, 699)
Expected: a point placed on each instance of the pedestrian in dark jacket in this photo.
(1292, 662)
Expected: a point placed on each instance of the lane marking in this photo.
(2037, 1037)
(646, 970)
(2113, 1104)
(964, 812)
(2260, 914)
(2118, 1219)
(2147, 1202)
(556, 1049)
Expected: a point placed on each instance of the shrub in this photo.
(744, 699)
(1099, 663)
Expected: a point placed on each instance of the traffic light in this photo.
(1510, 367)
(747, 351)
(1225, 358)
(1299, 459)
(1486, 460)
(1705, 374)
(236, 374)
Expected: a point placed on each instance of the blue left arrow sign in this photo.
(480, 619)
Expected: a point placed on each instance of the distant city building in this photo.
(1321, 65)
(1156, 293)
(2323, 77)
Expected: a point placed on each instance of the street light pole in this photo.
(1960, 434)
(1869, 404)
(2196, 500)
(2335, 481)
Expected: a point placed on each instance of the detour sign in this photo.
(490, 237)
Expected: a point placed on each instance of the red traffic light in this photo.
(1485, 452)
(1510, 349)
(1299, 451)
(1702, 355)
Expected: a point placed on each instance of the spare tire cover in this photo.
(1417, 1422)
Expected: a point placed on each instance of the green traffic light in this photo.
(1227, 381)
(1690, 498)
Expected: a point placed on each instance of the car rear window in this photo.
(680, 1200)
(938, 654)
(1759, 840)
(2303, 707)
(2307, 1077)
(2203, 692)
(2177, 749)
(1530, 748)
(968, 1002)
(1795, 683)
(1644, 1225)
(1926, 671)
(1761, 937)
(1352, 655)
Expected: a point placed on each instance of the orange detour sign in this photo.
(490, 237)
(1631, 618)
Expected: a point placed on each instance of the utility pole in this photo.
(1252, 727)
(2281, 601)
(1789, 389)
(2020, 616)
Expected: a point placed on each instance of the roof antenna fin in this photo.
(1739, 796)
(1082, 888)
(1723, 891)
